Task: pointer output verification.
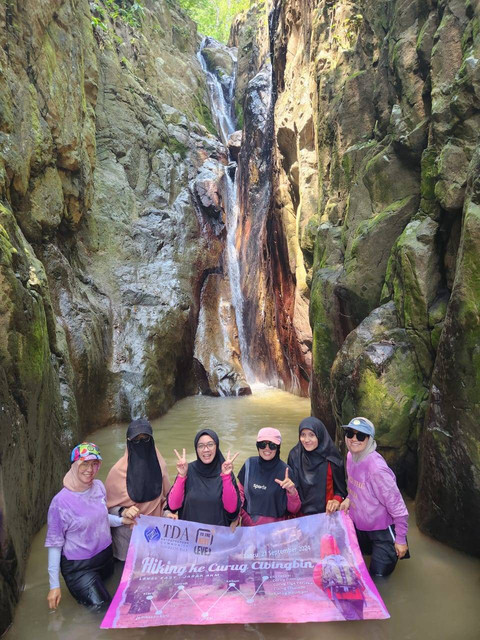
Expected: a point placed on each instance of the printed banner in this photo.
(306, 569)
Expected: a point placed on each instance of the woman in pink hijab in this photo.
(78, 534)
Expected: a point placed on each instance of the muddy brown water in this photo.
(433, 596)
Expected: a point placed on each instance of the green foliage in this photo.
(214, 17)
(130, 12)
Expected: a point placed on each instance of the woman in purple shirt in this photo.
(78, 535)
(374, 501)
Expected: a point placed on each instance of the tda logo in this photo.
(174, 532)
(204, 541)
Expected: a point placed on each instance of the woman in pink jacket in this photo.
(374, 501)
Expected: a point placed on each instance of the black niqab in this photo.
(144, 475)
(311, 467)
(204, 489)
(264, 496)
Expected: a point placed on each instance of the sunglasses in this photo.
(264, 444)
(349, 433)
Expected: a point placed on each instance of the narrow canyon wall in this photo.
(103, 244)
(275, 313)
(376, 133)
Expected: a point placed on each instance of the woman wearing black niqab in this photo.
(205, 490)
(319, 469)
(137, 484)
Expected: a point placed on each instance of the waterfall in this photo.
(221, 94)
(221, 107)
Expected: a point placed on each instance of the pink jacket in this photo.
(375, 500)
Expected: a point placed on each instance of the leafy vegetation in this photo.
(129, 11)
(214, 17)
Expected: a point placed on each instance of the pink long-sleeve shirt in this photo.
(229, 495)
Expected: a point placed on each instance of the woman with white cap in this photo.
(266, 484)
(374, 501)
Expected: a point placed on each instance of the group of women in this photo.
(89, 524)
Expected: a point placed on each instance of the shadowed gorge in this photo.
(323, 240)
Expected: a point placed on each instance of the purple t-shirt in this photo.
(78, 522)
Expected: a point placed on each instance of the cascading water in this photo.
(221, 93)
(221, 105)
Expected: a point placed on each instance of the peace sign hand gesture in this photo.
(182, 464)
(286, 483)
(227, 466)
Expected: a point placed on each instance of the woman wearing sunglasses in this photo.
(78, 533)
(266, 483)
(137, 484)
(318, 467)
(205, 490)
(374, 501)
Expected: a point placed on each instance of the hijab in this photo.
(204, 489)
(81, 453)
(137, 477)
(264, 496)
(311, 467)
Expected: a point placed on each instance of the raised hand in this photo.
(182, 464)
(286, 483)
(227, 466)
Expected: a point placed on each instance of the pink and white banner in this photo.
(301, 570)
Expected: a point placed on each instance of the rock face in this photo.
(104, 243)
(376, 161)
(358, 172)
(217, 351)
(275, 311)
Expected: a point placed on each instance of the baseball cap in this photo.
(364, 425)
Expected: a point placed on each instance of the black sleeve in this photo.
(339, 484)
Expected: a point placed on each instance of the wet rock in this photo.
(377, 372)
(275, 312)
(391, 90)
(104, 244)
(234, 145)
(207, 189)
(217, 351)
(218, 59)
(449, 454)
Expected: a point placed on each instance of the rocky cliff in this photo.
(358, 232)
(103, 244)
(375, 182)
